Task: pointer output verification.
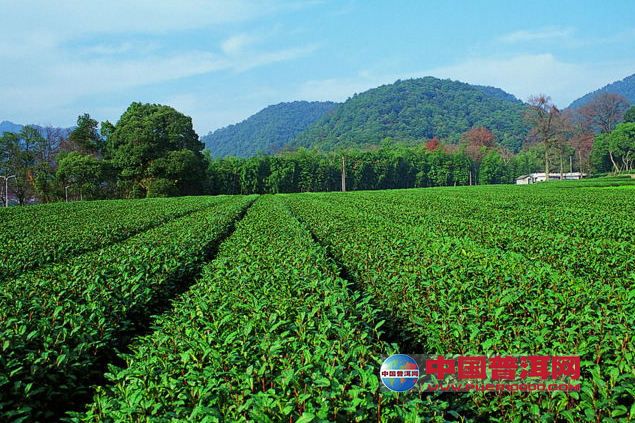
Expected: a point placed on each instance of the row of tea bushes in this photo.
(38, 238)
(565, 250)
(269, 333)
(60, 324)
(453, 295)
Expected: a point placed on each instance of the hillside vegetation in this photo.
(267, 131)
(417, 109)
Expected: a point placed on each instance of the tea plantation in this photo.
(278, 308)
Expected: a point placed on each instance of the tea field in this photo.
(278, 308)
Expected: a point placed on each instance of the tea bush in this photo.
(61, 323)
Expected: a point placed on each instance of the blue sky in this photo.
(220, 61)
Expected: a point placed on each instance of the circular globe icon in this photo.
(399, 373)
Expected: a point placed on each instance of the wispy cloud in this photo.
(269, 57)
(343, 11)
(237, 43)
(66, 55)
(536, 34)
(109, 49)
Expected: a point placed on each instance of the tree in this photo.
(146, 133)
(432, 144)
(90, 176)
(492, 169)
(629, 116)
(616, 148)
(479, 136)
(440, 168)
(86, 137)
(525, 162)
(603, 112)
(582, 145)
(477, 142)
(23, 157)
(181, 173)
(547, 125)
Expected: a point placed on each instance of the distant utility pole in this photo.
(343, 175)
(570, 164)
(66, 191)
(6, 189)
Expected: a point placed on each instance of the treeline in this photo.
(153, 151)
(591, 139)
(389, 167)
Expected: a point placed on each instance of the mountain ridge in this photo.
(8, 126)
(267, 131)
(624, 87)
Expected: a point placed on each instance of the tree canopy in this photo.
(615, 151)
(152, 142)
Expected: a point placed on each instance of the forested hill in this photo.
(624, 88)
(267, 131)
(414, 110)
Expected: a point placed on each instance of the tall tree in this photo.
(582, 145)
(478, 142)
(492, 168)
(547, 126)
(432, 144)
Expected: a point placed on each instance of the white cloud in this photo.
(236, 44)
(60, 56)
(536, 34)
(67, 79)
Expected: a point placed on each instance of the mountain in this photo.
(625, 88)
(267, 131)
(6, 126)
(417, 109)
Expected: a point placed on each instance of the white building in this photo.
(532, 178)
